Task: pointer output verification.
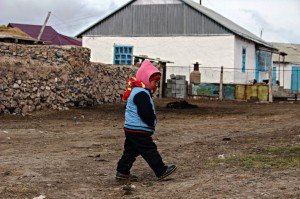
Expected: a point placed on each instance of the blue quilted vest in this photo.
(132, 119)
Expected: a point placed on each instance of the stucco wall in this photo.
(249, 74)
(209, 51)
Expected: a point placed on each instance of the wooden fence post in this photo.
(221, 85)
(163, 70)
(270, 85)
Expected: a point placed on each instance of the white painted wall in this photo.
(209, 51)
(284, 76)
(248, 75)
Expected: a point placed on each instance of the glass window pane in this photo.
(123, 54)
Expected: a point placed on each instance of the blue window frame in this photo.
(264, 60)
(123, 54)
(257, 66)
(244, 60)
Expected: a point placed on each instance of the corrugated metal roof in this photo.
(292, 51)
(49, 35)
(107, 16)
(228, 24)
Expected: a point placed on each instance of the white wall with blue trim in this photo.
(288, 76)
(209, 51)
(212, 51)
(248, 74)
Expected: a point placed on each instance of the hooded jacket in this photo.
(140, 112)
(144, 73)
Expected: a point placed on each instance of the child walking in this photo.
(140, 121)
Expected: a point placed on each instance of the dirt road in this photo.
(222, 150)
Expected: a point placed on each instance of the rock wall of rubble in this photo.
(37, 77)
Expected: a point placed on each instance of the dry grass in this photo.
(268, 158)
(16, 32)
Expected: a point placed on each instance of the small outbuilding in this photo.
(286, 66)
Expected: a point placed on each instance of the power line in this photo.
(74, 20)
(225, 68)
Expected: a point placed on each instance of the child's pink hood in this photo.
(145, 71)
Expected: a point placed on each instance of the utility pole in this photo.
(43, 27)
(200, 2)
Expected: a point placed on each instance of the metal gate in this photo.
(295, 84)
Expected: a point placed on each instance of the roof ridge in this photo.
(218, 18)
(23, 24)
(242, 32)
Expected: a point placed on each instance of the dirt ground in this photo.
(222, 150)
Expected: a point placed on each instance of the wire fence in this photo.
(286, 78)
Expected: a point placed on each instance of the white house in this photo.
(286, 67)
(183, 32)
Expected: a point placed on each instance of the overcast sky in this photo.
(279, 20)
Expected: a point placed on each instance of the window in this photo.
(264, 60)
(123, 54)
(244, 60)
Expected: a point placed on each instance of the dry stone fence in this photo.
(35, 77)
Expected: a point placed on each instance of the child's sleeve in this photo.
(145, 108)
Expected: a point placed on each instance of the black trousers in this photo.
(140, 144)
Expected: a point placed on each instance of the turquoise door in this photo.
(257, 67)
(295, 84)
(274, 75)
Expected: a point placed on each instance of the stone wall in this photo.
(37, 77)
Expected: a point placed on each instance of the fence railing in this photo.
(283, 78)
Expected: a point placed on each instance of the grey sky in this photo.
(278, 19)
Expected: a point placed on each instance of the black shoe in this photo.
(171, 168)
(130, 177)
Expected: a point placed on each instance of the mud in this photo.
(73, 154)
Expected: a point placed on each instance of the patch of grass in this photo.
(284, 151)
(272, 157)
(18, 192)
